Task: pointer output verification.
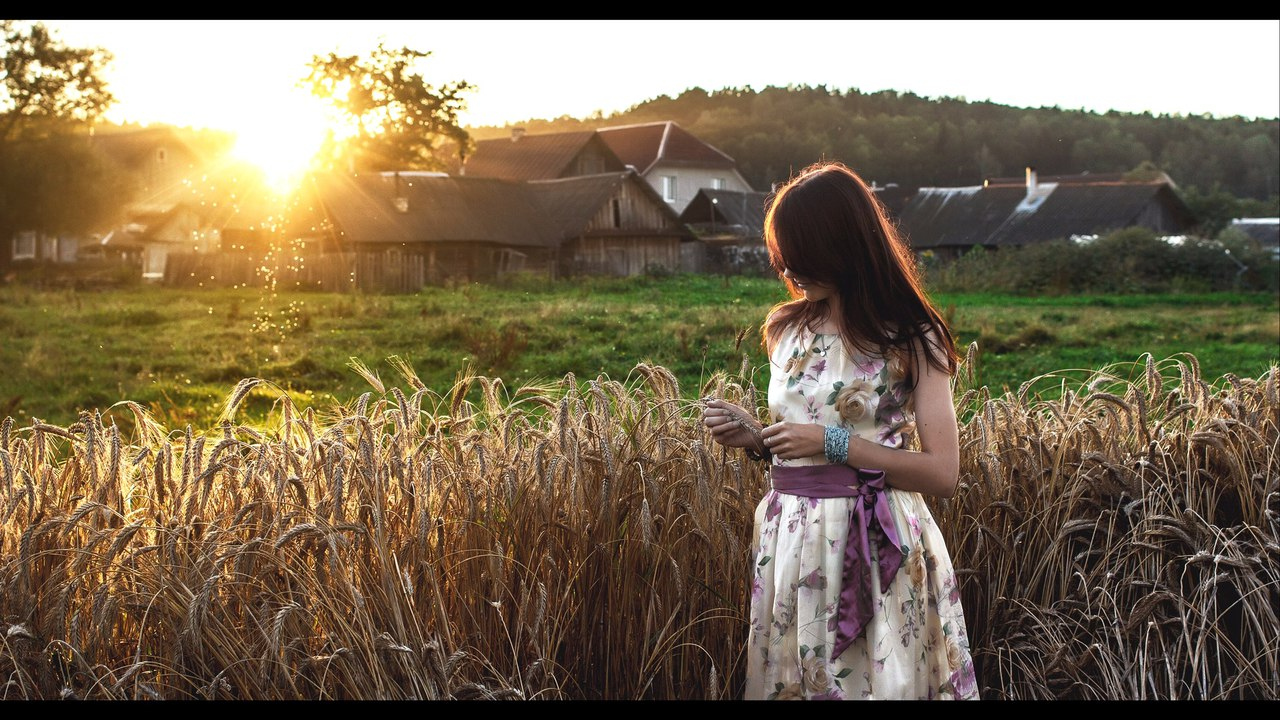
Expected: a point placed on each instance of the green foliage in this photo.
(1134, 260)
(402, 122)
(49, 179)
(894, 137)
(45, 83)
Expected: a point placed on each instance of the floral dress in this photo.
(916, 645)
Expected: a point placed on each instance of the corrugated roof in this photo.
(439, 209)
(742, 211)
(997, 215)
(1084, 179)
(1266, 231)
(643, 145)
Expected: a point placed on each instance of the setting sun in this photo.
(284, 142)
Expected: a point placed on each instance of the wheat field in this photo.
(587, 541)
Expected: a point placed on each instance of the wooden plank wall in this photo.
(385, 271)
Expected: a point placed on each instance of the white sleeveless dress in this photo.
(916, 645)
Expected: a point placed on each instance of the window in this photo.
(24, 246)
(669, 188)
(616, 206)
(717, 183)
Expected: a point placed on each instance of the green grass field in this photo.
(180, 353)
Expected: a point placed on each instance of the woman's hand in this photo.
(789, 440)
(731, 425)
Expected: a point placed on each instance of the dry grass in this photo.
(587, 541)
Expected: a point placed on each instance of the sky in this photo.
(241, 75)
(215, 72)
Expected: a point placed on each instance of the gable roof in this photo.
(1005, 213)
(741, 213)
(571, 203)
(533, 157)
(439, 209)
(644, 145)
(132, 148)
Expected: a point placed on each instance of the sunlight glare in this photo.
(283, 143)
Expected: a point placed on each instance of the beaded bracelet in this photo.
(835, 443)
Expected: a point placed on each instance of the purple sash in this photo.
(869, 521)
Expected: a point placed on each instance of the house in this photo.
(1007, 212)
(546, 156)
(152, 167)
(400, 231)
(36, 246)
(674, 162)
(612, 224)
(729, 225)
(1264, 231)
(151, 235)
(167, 213)
(721, 217)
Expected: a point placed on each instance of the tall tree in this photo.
(46, 85)
(400, 121)
(49, 93)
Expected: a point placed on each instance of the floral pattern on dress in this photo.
(916, 645)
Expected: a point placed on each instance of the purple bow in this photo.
(870, 523)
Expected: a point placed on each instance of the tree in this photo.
(46, 85)
(49, 93)
(400, 121)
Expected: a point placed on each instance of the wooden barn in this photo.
(611, 224)
(402, 231)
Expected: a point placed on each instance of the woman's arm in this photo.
(935, 469)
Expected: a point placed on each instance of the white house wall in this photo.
(690, 180)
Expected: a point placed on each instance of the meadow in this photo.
(180, 352)
(472, 520)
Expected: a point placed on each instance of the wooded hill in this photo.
(914, 141)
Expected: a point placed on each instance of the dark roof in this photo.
(741, 213)
(439, 209)
(533, 157)
(1265, 231)
(571, 203)
(893, 197)
(1083, 179)
(641, 146)
(997, 214)
(133, 147)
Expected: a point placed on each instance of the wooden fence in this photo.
(330, 272)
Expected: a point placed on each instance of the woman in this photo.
(854, 595)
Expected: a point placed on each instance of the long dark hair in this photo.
(827, 226)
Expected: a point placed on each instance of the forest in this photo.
(914, 141)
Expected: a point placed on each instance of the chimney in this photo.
(400, 201)
(1031, 180)
(517, 133)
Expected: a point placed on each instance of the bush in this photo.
(1133, 260)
